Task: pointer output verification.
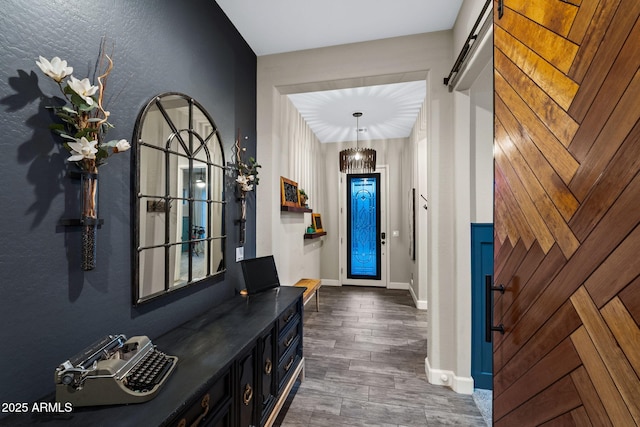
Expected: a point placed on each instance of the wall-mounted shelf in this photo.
(294, 209)
(314, 235)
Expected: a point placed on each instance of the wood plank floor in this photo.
(365, 352)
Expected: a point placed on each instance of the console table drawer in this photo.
(216, 400)
(289, 338)
(289, 315)
(288, 364)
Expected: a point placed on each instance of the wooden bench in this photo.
(313, 286)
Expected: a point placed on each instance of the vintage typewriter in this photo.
(114, 370)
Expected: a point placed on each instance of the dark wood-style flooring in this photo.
(365, 366)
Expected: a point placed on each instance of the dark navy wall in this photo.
(49, 308)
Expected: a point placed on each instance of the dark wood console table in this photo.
(237, 364)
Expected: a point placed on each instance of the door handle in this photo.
(489, 327)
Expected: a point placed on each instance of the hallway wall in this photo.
(424, 56)
(481, 145)
(389, 152)
(50, 309)
(449, 358)
(301, 151)
(384, 61)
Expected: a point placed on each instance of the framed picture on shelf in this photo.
(289, 195)
(316, 220)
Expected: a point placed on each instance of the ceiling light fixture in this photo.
(199, 181)
(357, 160)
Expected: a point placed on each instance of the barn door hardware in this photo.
(478, 30)
(488, 281)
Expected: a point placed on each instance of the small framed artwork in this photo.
(289, 194)
(316, 220)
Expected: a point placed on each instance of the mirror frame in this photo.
(137, 196)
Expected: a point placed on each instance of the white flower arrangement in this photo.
(247, 178)
(245, 182)
(85, 122)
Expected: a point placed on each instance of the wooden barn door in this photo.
(567, 209)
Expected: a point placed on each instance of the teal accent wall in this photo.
(481, 266)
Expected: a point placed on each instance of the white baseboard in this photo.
(420, 304)
(462, 385)
(330, 282)
(398, 285)
(391, 285)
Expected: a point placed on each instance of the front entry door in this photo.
(364, 239)
(567, 222)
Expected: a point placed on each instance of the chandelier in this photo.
(358, 160)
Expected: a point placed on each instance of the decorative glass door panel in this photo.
(363, 226)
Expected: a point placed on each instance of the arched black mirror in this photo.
(179, 236)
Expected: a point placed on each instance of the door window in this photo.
(363, 226)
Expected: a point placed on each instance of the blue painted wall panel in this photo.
(481, 266)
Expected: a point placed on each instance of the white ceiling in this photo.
(278, 26)
(388, 111)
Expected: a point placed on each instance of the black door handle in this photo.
(488, 282)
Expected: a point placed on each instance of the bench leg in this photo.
(317, 299)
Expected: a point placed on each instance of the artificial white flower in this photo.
(56, 69)
(83, 88)
(251, 177)
(244, 180)
(85, 114)
(122, 145)
(82, 149)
